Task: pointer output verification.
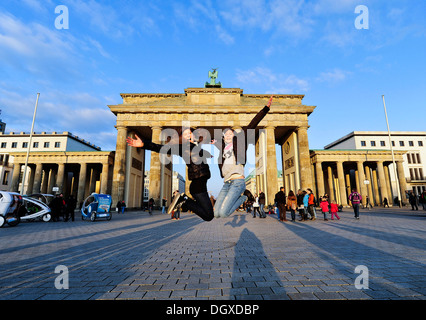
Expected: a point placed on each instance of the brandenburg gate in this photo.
(210, 108)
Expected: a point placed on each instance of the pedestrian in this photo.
(118, 206)
(300, 205)
(413, 200)
(256, 206)
(184, 145)
(249, 202)
(123, 206)
(324, 208)
(163, 205)
(175, 214)
(334, 207)
(56, 207)
(280, 200)
(231, 161)
(150, 205)
(71, 205)
(306, 205)
(355, 198)
(311, 204)
(423, 199)
(292, 204)
(262, 201)
(368, 203)
(385, 203)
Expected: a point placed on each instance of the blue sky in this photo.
(290, 47)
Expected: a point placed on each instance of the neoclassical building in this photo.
(62, 161)
(147, 115)
(337, 172)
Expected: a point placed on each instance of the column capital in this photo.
(302, 127)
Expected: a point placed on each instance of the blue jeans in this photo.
(230, 198)
(356, 209)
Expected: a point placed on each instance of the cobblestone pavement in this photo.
(137, 256)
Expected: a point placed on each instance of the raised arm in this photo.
(261, 114)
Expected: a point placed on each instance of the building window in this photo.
(401, 143)
(35, 145)
(5, 177)
(46, 144)
(411, 143)
(363, 144)
(14, 145)
(409, 157)
(420, 143)
(418, 158)
(3, 145)
(382, 144)
(373, 143)
(422, 177)
(57, 144)
(393, 143)
(411, 174)
(24, 145)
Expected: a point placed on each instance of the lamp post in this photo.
(29, 146)
(393, 157)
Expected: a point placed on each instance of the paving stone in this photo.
(137, 256)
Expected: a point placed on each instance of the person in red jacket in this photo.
(324, 208)
(333, 210)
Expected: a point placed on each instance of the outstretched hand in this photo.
(270, 102)
(137, 143)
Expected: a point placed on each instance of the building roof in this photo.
(375, 134)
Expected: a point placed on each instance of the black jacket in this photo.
(240, 141)
(280, 197)
(195, 159)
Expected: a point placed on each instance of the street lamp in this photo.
(393, 157)
(29, 146)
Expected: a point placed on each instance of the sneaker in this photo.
(176, 201)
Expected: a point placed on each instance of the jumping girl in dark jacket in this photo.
(198, 171)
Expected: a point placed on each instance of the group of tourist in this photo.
(62, 208)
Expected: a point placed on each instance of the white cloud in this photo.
(272, 82)
(335, 75)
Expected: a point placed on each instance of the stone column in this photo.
(341, 177)
(388, 186)
(330, 183)
(37, 178)
(320, 179)
(361, 175)
(104, 178)
(31, 180)
(376, 188)
(45, 180)
(304, 157)
(51, 182)
(369, 187)
(402, 181)
(60, 177)
(155, 169)
(119, 173)
(14, 187)
(271, 165)
(382, 180)
(82, 183)
(93, 179)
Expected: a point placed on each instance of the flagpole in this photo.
(29, 146)
(393, 157)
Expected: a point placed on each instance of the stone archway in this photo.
(214, 108)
